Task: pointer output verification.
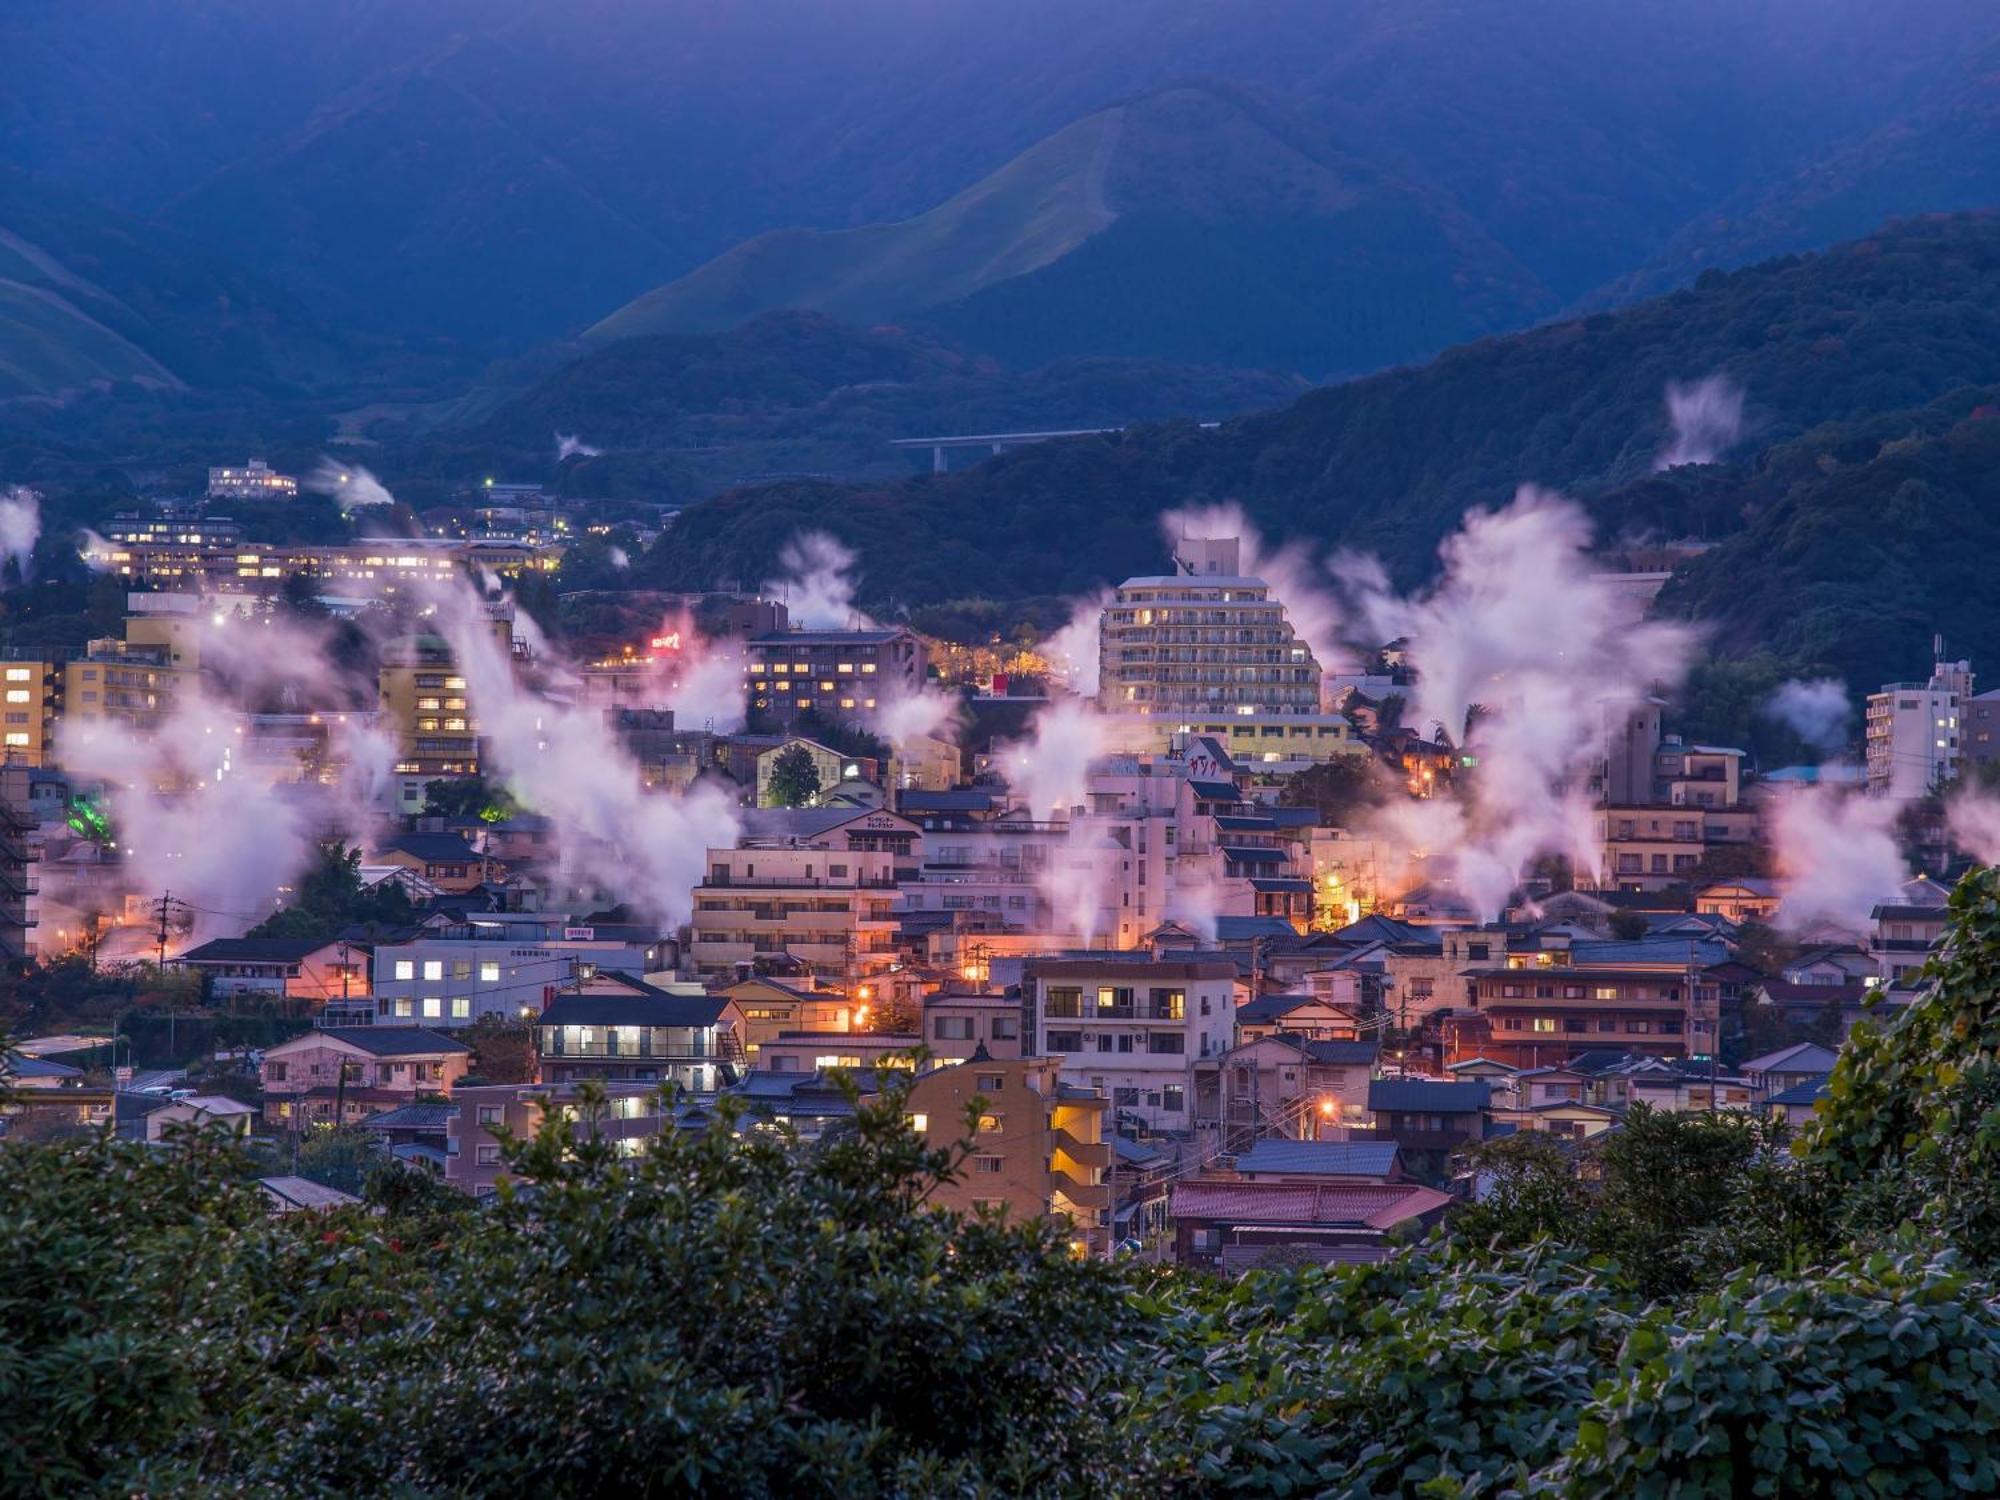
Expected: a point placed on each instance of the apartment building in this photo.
(1203, 641)
(631, 1116)
(957, 1026)
(255, 480)
(1650, 847)
(134, 682)
(1655, 997)
(19, 854)
(376, 565)
(501, 964)
(838, 674)
(1913, 732)
(763, 1010)
(817, 887)
(1038, 1147)
(33, 694)
(1133, 1028)
(338, 1077)
(615, 1028)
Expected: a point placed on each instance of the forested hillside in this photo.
(1880, 326)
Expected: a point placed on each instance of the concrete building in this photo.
(763, 1010)
(1914, 734)
(956, 1026)
(632, 1115)
(1654, 997)
(33, 693)
(1037, 1146)
(255, 480)
(133, 682)
(615, 1028)
(341, 1077)
(296, 968)
(815, 886)
(1203, 640)
(1650, 847)
(19, 854)
(1133, 1028)
(840, 674)
(377, 565)
(501, 964)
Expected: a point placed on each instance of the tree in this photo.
(330, 898)
(1338, 790)
(503, 1050)
(1628, 926)
(468, 797)
(794, 778)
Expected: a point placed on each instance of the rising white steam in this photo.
(95, 550)
(1973, 820)
(563, 760)
(620, 559)
(351, 486)
(817, 584)
(1050, 770)
(1836, 858)
(1072, 652)
(569, 445)
(1519, 626)
(1707, 418)
(704, 679)
(189, 820)
(1296, 578)
(1816, 711)
(925, 713)
(20, 527)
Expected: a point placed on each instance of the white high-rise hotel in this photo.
(1213, 652)
(1913, 730)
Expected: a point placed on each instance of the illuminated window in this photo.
(18, 695)
(1545, 1023)
(433, 968)
(489, 971)
(433, 1007)
(403, 1007)
(461, 1007)
(920, 1123)
(868, 666)
(826, 687)
(15, 737)
(17, 674)
(989, 1124)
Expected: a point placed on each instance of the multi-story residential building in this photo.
(423, 702)
(616, 1028)
(817, 886)
(444, 860)
(1295, 1087)
(1979, 728)
(379, 565)
(255, 480)
(134, 682)
(1133, 1028)
(838, 674)
(18, 855)
(1697, 775)
(856, 1051)
(184, 530)
(956, 1026)
(1203, 640)
(1037, 1147)
(1906, 929)
(631, 1116)
(1654, 997)
(1647, 848)
(501, 964)
(340, 1077)
(1914, 735)
(763, 1010)
(33, 692)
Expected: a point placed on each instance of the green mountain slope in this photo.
(91, 298)
(1389, 463)
(1269, 248)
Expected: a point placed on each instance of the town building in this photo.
(1133, 1029)
(1652, 996)
(1231, 1225)
(424, 703)
(615, 1028)
(1429, 1116)
(295, 968)
(501, 964)
(843, 675)
(387, 566)
(763, 1009)
(255, 480)
(1036, 1146)
(33, 704)
(833, 770)
(480, 1114)
(816, 886)
(342, 1077)
(956, 1026)
(1287, 1086)
(853, 1051)
(19, 854)
(1650, 847)
(1913, 731)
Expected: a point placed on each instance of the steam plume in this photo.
(1816, 711)
(1836, 857)
(908, 716)
(1050, 770)
(818, 583)
(1518, 626)
(351, 486)
(20, 527)
(1973, 820)
(1072, 652)
(569, 446)
(1707, 419)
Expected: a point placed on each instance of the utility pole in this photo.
(166, 901)
(340, 1096)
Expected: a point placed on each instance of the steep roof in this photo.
(1320, 1158)
(254, 950)
(432, 847)
(412, 1117)
(1800, 1057)
(1271, 1007)
(1807, 1091)
(1334, 1054)
(385, 1041)
(650, 1006)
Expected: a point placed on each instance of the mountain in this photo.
(1942, 158)
(682, 416)
(1270, 248)
(91, 298)
(1390, 463)
(504, 171)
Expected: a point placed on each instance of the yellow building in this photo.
(766, 1009)
(1037, 1148)
(925, 763)
(423, 702)
(33, 696)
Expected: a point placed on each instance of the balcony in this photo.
(1085, 1195)
(611, 1047)
(1092, 1154)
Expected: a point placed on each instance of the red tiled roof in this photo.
(1361, 1205)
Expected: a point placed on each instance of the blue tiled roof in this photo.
(1320, 1158)
(1812, 1090)
(1428, 1096)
